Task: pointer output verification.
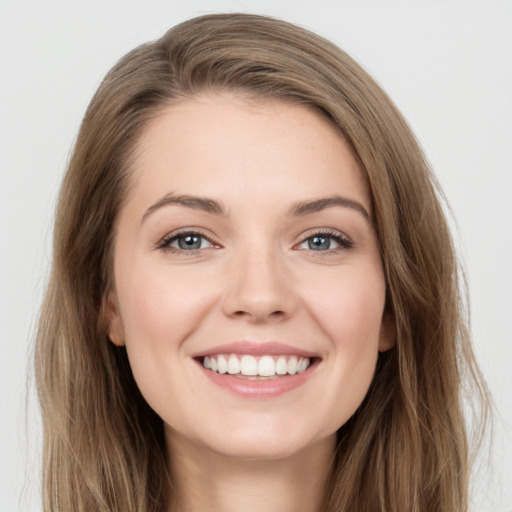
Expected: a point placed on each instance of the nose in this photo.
(259, 288)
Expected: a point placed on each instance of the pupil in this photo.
(319, 242)
(190, 242)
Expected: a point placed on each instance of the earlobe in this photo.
(114, 323)
(387, 338)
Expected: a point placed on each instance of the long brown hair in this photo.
(406, 447)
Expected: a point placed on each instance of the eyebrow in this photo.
(316, 205)
(196, 203)
(299, 209)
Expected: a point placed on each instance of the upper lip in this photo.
(271, 348)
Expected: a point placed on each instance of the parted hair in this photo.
(407, 447)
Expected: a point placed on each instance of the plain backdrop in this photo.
(446, 64)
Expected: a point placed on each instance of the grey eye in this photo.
(190, 242)
(319, 243)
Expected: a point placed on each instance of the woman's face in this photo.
(249, 289)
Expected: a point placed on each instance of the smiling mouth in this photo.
(249, 367)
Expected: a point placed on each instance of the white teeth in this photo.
(248, 365)
(233, 365)
(303, 365)
(292, 365)
(266, 366)
(255, 367)
(222, 364)
(281, 366)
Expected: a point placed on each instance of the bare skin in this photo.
(248, 228)
(293, 484)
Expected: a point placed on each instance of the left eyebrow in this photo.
(302, 208)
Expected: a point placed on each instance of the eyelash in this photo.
(343, 241)
(165, 243)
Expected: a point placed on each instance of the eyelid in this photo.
(164, 242)
(344, 241)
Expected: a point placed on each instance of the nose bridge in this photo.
(258, 288)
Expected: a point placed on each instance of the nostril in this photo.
(259, 316)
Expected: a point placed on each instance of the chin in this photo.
(261, 440)
(259, 449)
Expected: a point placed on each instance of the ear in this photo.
(113, 320)
(387, 336)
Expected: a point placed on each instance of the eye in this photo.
(185, 241)
(326, 241)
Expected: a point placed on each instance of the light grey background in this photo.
(447, 65)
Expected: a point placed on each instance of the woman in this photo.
(254, 299)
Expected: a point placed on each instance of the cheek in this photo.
(159, 310)
(349, 307)
(160, 304)
(350, 316)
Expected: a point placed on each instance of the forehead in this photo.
(232, 146)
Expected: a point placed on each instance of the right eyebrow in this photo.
(204, 204)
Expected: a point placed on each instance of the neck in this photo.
(207, 481)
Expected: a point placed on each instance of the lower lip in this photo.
(259, 388)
